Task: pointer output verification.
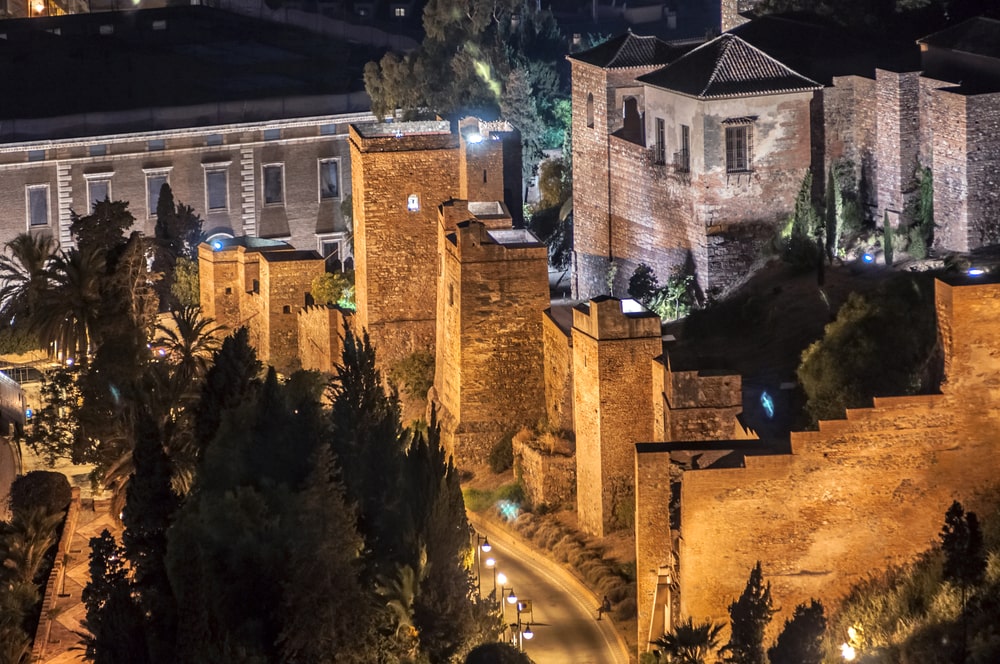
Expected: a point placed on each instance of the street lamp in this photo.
(523, 606)
(482, 546)
(491, 563)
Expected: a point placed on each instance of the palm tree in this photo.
(189, 344)
(23, 274)
(688, 643)
(66, 310)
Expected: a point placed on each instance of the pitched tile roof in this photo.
(631, 50)
(979, 36)
(727, 66)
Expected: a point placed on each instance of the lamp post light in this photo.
(491, 563)
(523, 606)
(501, 579)
(482, 546)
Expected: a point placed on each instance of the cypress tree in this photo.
(801, 640)
(749, 617)
(231, 381)
(113, 619)
(149, 509)
(887, 239)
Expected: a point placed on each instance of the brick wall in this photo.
(611, 384)
(489, 376)
(320, 332)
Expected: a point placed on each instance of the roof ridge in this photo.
(718, 61)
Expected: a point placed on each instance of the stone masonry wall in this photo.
(849, 120)
(396, 261)
(286, 284)
(491, 378)
(652, 540)
(611, 384)
(885, 474)
(549, 478)
(320, 332)
(697, 405)
(947, 117)
(983, 132)
(558, 352)
(898, 139)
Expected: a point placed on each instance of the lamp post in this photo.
(482, 546)
(491, 563)
(507, 598)
(501, 578)
(523, 606)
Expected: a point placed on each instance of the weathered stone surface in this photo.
(548, 475)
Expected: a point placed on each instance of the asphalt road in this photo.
(563, 614)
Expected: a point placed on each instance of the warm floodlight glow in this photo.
(39, 7)
(490, 562)
(501, 578)
(848, 652)
(473, 137)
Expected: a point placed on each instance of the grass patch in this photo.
(481, 500)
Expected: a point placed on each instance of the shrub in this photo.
(501, 457)
(40, 488)
(414, 374)
(625, 609)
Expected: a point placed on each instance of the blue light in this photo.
(28, 413)
(508, 509)
(217, 245)
(868, 258)
(976, 272)
(768, 403)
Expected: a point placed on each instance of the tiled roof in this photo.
(727, 66)
(630, 50)
(979, 36)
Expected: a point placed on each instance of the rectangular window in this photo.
(329, 178)
(214, 139)
(154, 182)
(274, 185)
(660, 147)
(327, 129)
(38, 205)
(217, 190)
(157, 144)
(738, 149)
(400, 12)
(97, 191)
(98, 150)
(684, 154)
(36, 155)
(272, 134)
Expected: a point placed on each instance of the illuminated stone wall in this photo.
(321, 328)
(489, 364)
(285, 280)
(612, 408)
(558, 374)
(858, 495)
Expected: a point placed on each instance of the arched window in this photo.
(590, 110)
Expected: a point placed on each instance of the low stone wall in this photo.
(320, 332)
(548, 475)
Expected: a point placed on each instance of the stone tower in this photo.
(489, 366)
(614, 343)
(401, 173)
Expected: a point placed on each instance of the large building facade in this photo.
(222, 108)
(691, 161)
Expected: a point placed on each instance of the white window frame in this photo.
(340, 239)
(48, 205)
(97, 177)
(263, 184)
(413, 203)
(152, 173)
(319, 179)
(216, 167)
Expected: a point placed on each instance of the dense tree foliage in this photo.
(801, 640)
(748, 618)
(863, 355)
(690, 643)
(488, 58)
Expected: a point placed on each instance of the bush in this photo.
(414, 374)
(40, 488)
(501, 457)
(625, 609)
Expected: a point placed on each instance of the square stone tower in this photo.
(489, 366)
(401, 172)
(614, 342)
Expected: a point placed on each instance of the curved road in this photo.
(563, 612)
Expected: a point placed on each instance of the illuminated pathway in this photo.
(565, 629)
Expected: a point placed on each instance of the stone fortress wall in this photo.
(858, 495)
